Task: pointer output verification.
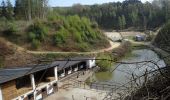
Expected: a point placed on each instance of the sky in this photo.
(63, 3)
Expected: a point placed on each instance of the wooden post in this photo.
(1, 96)
(77, 67)
(55, 73)
(33, 85)
(71, 69)
(32, 81)
(64, 72)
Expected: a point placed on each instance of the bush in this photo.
(76, 35)
(104, 65)
(39, 29)
(94, 25)
(83, 46)
(60, 36)
(35, 44)
(11, 29)
(31, 36)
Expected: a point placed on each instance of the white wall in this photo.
(91, 63)
(55, 73)
(1, 98)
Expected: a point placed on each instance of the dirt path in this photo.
(19, 48)
(77, 94)
(113, 45)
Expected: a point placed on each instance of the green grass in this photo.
(103, 76)
(64, 33)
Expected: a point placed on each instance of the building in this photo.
(35, 82)
(140, 38)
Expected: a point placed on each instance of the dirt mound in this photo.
(12, 56)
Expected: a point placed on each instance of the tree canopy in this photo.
(133, 13)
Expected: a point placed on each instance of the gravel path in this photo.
(77, 94)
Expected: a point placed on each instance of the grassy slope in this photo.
(162, 40)
(11, 56)
(61, 34)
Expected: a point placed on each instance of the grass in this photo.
(103, 76)
(136, 46)
(74, 32)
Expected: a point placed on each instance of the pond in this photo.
(124, 72)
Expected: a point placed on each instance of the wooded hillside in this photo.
(129, 13)
(31, 24)
(162, 40)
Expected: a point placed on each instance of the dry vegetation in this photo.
(11, 56)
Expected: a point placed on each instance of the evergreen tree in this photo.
(18, 10)
(31, 8)
(4, 10)
(120, 23)
(123, 22)
(9, 10)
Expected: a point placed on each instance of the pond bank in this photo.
(163, 54)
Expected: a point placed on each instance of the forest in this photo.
(31, 24)
(122, 15)
(33, 32)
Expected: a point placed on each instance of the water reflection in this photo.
(124, 72)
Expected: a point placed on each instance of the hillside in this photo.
(162, 40)
(131, 14)
(11, 56)
(55, 33)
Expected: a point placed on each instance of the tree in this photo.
(134, 17)
(136, 13)
(9, 10)
(31, 8)
(4, 10)
(18, 11)
(166, 7)
(122, 22)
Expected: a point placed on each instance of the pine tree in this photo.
(31, 8)
(18, 10)
(120, 23)
(123, 22)
(4, 10)
(9, 10)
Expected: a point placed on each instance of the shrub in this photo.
(60, 36)
(94, 25)
(104, 64)
(59, 39)
(83, 46)
(39, 29)
(11, 29)
(35, 44)
(76, 35)
(31, 36)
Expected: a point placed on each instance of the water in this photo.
(124, 72)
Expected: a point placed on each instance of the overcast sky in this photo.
(86, 2)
